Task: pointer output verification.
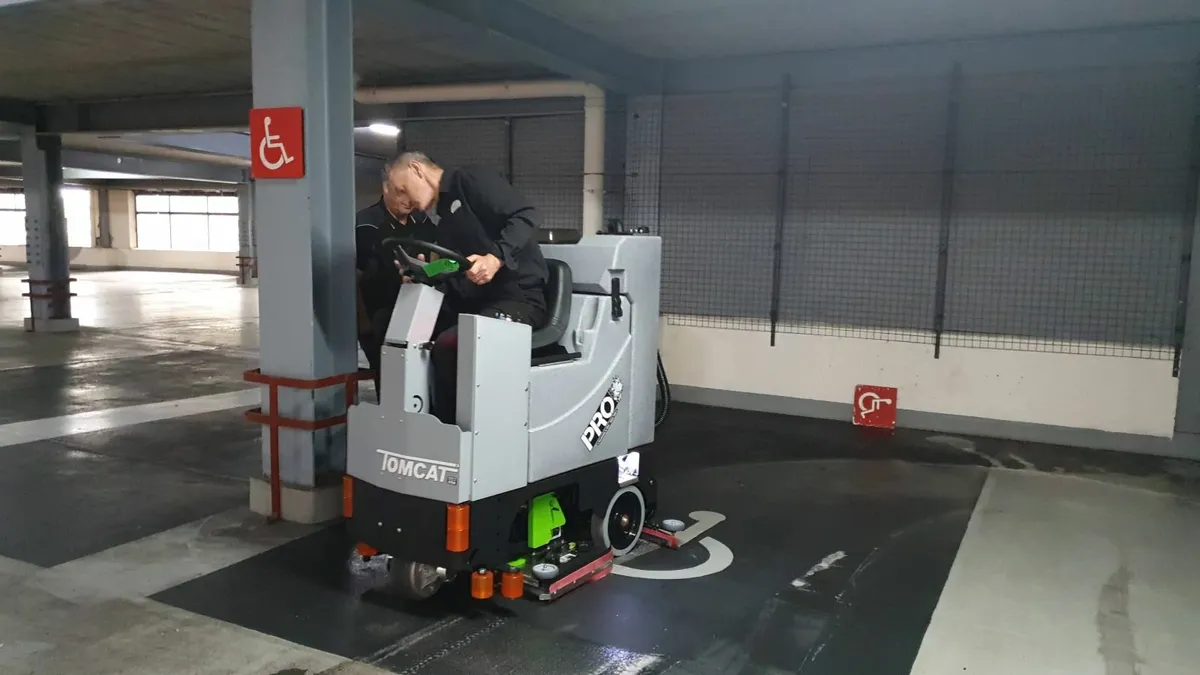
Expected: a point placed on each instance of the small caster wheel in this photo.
(545, 571)
(672, 525)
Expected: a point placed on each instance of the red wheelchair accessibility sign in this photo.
(277, 143)
(875, 406)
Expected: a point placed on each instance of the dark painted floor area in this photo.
(51, 391)
(898, 526)
(702, 436)
(891, 507)
(221, 444)
(64, 503)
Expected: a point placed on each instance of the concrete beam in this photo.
(81, 160)
(517, 31)
(186, 113)
(232, 143)
(160, 113)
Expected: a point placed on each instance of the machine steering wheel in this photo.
(449, 263)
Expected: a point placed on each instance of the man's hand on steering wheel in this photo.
(405, 275)
(483, 268)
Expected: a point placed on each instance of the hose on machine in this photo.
(662, 403)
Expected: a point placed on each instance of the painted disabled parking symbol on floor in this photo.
(719, 555)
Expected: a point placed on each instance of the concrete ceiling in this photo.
(70, 49)
(701, 29)
(55, 50)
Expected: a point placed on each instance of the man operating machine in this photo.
(483, 217)
(529, 478)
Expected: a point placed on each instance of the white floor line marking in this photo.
(719, 558)
(409, 641)
(163, 560)
(705, 521)
(112, 418)
(825, 563)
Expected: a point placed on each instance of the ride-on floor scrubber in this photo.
(537, 487)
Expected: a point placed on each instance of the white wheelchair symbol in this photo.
(719, 555)
(271, 142)
(870, 402)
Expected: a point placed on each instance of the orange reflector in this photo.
(365, 551)
(512, 585)
(347, 496)
(458, 527)
(482, 584)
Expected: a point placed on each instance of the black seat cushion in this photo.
(558, 305)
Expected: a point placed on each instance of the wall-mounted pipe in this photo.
(484, 91)
(116, 146)
(593, 121)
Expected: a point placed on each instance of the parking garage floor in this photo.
(126, 545)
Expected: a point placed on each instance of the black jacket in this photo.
(479, 212)
(380, 279)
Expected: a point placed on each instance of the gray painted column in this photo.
(247, 272)
(104, 238)
(302, 56)
(643, 154)
(46, 234)
(1187, 409)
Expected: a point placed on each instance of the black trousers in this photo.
(444, 353)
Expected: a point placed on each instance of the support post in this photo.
(949, 154)
(104, 235)
(247, 262)
(593, 162)
(785, 127)
(302, 56)
(643, 161)
(1187, 333)
(46, 235)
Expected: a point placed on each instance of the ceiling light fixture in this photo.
(384, 129)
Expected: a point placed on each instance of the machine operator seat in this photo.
(558, 305)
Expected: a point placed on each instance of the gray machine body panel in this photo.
(566, 397)
(493, 401)
(636, 261)
(414, 316)
(410, 453)
(518, 423)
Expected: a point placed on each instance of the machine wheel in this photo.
(620, 528)
(414, 580)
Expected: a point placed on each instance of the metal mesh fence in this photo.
(548, 167)
(1068, 223)
(718, 167)
(643, 155)
(1060, 197)
(1038, 210)
(453, 142)
(860, 231)
(540, 154)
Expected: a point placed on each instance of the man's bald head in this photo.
(411, 177)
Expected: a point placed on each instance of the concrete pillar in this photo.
(104, 233)
(304, 229)
(46, 234)
(247, 265)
